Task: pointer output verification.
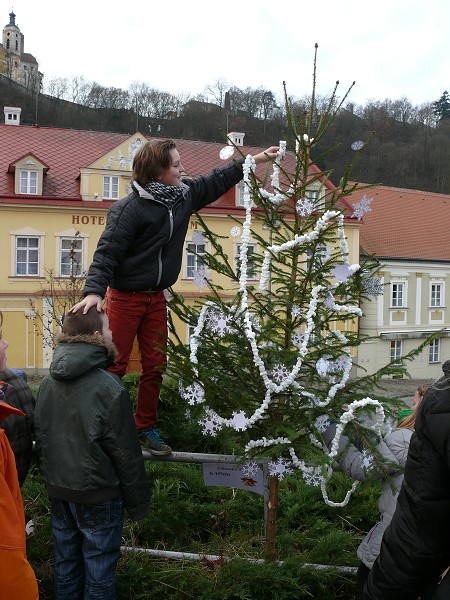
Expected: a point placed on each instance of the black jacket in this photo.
(416, 546)
(86, 438)
(19, 430)
(141, 247)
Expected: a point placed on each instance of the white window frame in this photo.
(436, 294)
(396, 350)
(110, 187)
(398, 300)
(434, 355)
(28, 182)
(251, 267)
(194, 258)
(76, 259)
(27, 249)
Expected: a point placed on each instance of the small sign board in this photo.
(246, 476)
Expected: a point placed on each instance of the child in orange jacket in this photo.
(17, 578)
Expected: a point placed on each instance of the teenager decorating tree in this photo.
(139, 255)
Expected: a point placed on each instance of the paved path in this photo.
(402, 388)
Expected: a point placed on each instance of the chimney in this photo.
(236, 138)
(12, 115)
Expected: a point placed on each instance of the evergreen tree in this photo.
(441, 107)
(270, 368)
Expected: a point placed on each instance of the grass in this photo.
(187, 516)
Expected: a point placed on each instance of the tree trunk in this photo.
(271, 528)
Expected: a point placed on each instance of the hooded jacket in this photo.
(393, 450)
(416, 547)
(86, 438)
(141, 247)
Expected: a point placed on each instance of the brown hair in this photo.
(409, 422)
(77, 323)
(151, 160)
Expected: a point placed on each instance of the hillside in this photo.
(399, 154)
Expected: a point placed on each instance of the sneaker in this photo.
(151, 440)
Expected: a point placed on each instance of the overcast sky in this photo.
(391, 48)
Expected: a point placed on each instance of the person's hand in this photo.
(267, 155)
(419, 394)
(89, 301)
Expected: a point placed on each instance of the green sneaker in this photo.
(151, 440)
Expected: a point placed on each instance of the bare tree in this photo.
(217, 90)
(60, 294)
(57, 87)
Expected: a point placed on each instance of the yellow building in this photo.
(56, 186)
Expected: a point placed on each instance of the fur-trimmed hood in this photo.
(77, 354)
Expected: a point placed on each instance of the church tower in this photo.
(15, 63)
(12, 38)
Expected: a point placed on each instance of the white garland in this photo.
(213, 422)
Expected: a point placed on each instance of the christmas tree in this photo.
(269, 365)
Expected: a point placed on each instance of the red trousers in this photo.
(142, 315)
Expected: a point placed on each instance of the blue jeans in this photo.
(87, 548)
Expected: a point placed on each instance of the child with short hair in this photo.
(90, 458)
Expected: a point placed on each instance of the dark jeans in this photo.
(87, 548)
(142, 315)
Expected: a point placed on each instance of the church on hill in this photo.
(15, 63)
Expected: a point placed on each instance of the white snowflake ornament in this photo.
(239, 422)
(250, 469)
(373, 286)
(219, 323)
(304, 207)
(280, 372)
(198, 237)
(280, 468)
(362, 207)
(313, 476)
(200, 278)
(194, 394)
(341, 272)
(322, 423)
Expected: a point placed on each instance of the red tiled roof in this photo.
(405, 224)
(66, 151)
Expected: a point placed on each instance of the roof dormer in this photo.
(28, 175)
